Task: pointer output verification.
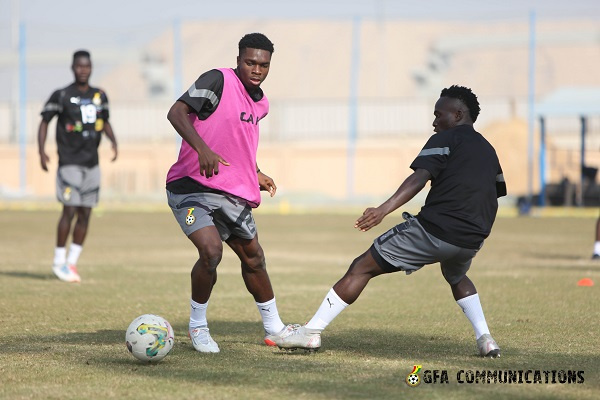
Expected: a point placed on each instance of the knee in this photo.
(83, 220)
(210, 257)
(463, 288)
(255, 263)
(68, 213)
(360, 267)
(83, 216)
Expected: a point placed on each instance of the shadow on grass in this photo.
(28, 275)
(348, 364)
(383, 344)
(34, 343)
(575, 268)
(561, 257)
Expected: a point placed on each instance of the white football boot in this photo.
(202, 341)
(286, 331)
(488, 346)
(300, 338)
(66, 273)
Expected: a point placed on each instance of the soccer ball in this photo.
(149, 338)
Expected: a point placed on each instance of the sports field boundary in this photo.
(285, 207)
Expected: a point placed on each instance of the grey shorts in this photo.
(231, 215)
(408, 247)
(78, 186)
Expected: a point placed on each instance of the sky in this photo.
(54, 28)
(119, 12)
(138, 18)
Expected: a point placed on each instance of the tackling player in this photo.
(460, 209)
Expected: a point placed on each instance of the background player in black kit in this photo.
(82, 112)
(460, 209)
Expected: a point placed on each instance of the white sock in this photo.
(597, 248)
(60, 255)
(198, 315)
(74, 252)
(270, 316)
(471, 306)
(331, 306)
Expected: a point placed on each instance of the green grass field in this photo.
(66, 341)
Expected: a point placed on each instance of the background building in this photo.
(352, 86)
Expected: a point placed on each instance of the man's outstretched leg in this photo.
(466, 297)
(342, 294)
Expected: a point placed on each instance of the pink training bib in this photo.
(231, 132)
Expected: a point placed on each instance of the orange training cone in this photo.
(585, 282)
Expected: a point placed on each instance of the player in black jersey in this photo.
(82, 112)
(460, 209)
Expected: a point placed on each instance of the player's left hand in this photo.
(370, 218)
(267, 184)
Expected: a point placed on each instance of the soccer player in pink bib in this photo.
(216, 182)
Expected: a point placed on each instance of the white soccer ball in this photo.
(149, 338)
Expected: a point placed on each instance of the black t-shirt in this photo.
(80, 123)
(466, 181)
(205, 94)
(204, 97)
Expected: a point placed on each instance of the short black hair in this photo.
(256, 41)
(80, 53)
(465, 95)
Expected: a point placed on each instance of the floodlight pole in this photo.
(14, 111)
(22, 110)
(177, 69)
(542, 200)
(353, 108)
(177, 55)
(583, 120)
(531, 101)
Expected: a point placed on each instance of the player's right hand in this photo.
(209, 163)
(44, 160)
(370, 218)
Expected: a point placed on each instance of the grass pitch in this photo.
(66, 341)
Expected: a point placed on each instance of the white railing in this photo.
(298, 120)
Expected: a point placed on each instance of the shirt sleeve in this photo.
(434, 155)
(205, 93)
(500, 183)
(52, 107)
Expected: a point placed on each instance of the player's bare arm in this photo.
(207, 159)
(42, 133)
(111, 136)
(407, 190)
